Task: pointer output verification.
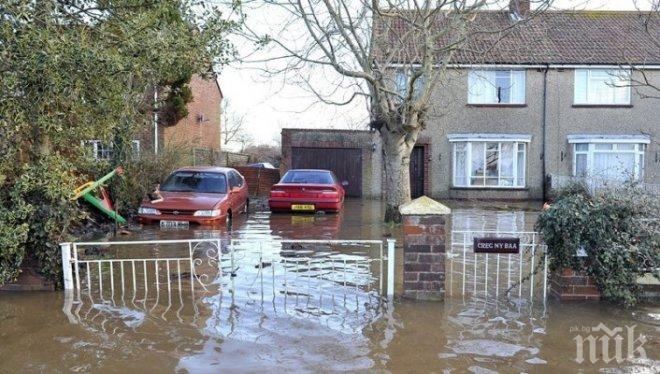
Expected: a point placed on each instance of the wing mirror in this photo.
(235, 189)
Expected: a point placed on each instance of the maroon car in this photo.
(203, 195)
(305, 190)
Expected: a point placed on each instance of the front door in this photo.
(417, 172)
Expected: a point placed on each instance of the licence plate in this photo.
(302, 207)
(174, 224)
(302, 219)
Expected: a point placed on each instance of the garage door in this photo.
(346, 163)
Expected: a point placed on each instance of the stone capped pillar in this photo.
(424, 236)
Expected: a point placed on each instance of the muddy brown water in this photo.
(320, 325)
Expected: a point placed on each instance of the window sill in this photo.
(496, 105)
(484, 188)
(602, 106)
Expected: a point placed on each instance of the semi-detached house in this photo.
(559, 97)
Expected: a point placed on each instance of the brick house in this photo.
(550, 101)
(198, 134)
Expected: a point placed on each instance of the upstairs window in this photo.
(496, 87)
(401, 79)
(602, 87)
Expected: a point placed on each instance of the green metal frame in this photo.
(86, 194)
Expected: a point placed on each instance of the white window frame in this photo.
(638, 152)
(614, 73)
(513, 74)
(135, 149)
(96, 146)
(469, 139)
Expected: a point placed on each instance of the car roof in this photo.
(321, 170)
(215, 169)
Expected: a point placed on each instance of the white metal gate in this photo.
(105, 270)
(486, 275)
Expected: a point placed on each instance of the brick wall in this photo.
(201, 128)
(189, 133)
(567, 285)
(424, 257)
(366, 141)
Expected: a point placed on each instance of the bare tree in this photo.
(390, 53)
(233, 130)
(640, 81)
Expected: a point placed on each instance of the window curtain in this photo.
(614, 166)
(518, 87)
(460, 153)
(481, 87)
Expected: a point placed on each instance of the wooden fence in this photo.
(259, 180)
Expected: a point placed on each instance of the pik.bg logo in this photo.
(609, 345)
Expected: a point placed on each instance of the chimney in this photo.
(519, 7)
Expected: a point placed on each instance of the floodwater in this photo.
(287, 307)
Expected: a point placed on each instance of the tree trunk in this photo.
(397, 173)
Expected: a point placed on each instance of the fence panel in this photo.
(167, 276)
(259, 180)
(495, 274)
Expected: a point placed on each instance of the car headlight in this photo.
(207, 213)
(148, 211)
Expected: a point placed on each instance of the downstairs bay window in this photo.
(489, 160)
(615, 158)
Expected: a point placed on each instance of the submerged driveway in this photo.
(316, 323)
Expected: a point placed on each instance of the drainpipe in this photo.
(155, 120)
(543, 130)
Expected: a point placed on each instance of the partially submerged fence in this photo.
(259, 180)
(495, 274)
(102, 268)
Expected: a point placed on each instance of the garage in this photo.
(346, 163)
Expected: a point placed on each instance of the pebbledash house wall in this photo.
(642, 117)
(451, 114)
(367, 141)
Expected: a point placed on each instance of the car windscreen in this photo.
(195, 181)
(307, 177)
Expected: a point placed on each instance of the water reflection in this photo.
(255, 321)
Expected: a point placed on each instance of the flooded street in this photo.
(322, 315)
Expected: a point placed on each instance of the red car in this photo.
(202, 195)
(307, 191)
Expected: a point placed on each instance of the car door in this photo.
(232, 198)
(243, 194)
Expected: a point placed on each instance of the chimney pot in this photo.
(520, 7)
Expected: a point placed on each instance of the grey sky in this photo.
(269, 104)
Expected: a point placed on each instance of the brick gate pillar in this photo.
(424, 235)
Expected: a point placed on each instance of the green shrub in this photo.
(618, 229)
(36, 213)
(140, 175)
